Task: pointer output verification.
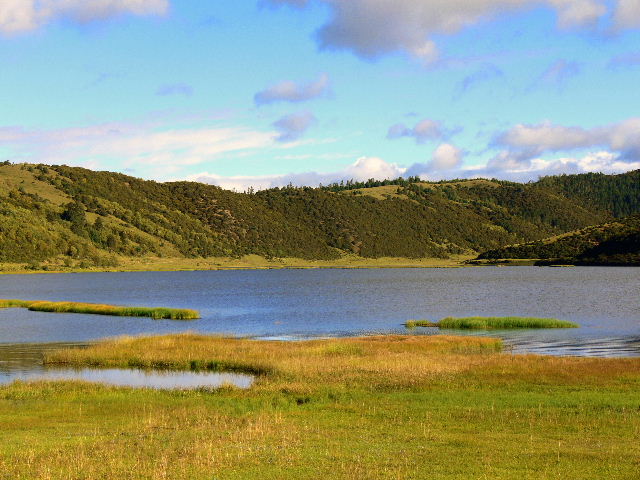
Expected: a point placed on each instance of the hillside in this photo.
(614, 243)
(66, 216)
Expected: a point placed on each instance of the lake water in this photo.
(295, 304)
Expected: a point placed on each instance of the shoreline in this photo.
(250, 262)
(255, 262)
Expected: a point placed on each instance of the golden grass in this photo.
(387, 407)
(248, 262)
(100, 309)
(377, 360)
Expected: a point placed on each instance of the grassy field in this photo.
(394, 407)
(99, 309)
(492, 323)
(248, 262)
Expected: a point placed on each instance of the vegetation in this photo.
(58, 217)
(617, 194)
(492, 323)
(98, 309)
(614, 243)
(372, 408)
(421, 323)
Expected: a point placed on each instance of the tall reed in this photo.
(492, 323)
(99, 309)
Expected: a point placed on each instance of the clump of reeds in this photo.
(99, 309)
(15, 303)
(421, 323)
(493, 323)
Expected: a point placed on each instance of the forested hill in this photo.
(70, 216)
(613, 243)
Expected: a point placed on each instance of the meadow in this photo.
(394, 407)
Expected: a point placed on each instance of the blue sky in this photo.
(269, 92)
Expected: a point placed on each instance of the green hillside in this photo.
(614, 243)
(616, 194)
(77, 217)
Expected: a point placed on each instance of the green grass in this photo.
(99, 309)
(492, 323)
(389, 407)
(421, 323)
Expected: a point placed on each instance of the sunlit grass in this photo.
(492, 323)
(384, 407)
(99, 309)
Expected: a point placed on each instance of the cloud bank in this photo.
(372, 28)
(362, 169)
(18, 16)
(155, 148)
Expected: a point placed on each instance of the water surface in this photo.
(295, 304)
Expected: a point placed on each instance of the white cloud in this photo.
(18, 16)
(293, 126)
(627, 14)
(155, 148)
(372, 28)
(523, 142)
(446, 157)
(289, 91)
(361, 170)
(600, 161)
(446, 160)
(422, 132)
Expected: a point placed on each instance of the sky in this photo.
(263, 93)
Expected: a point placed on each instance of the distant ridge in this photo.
(67, 216)
(614, 243)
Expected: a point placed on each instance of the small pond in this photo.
(155, 379)
(24, 362)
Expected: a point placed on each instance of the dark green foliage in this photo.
(615, 243)
(109, 213)
(616, 194)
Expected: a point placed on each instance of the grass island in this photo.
(492, 323)
(99, 309)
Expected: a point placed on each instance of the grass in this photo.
(390, 407)
(99, 309)
(248, 262)
(492, 323)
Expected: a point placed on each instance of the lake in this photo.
(295, 304)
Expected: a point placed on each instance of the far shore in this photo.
(251, 262)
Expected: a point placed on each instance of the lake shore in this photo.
(248, 262)
(371, 407)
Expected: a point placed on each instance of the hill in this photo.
(65, 216)
(614, 243)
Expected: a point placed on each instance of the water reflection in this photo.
(155, 379)
(25, 362)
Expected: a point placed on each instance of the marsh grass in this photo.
(492, 323)
(384, 407)
(99, 309)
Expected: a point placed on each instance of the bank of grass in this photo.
(392, 407)
(247, 262)
(492, 323)
(99, 309)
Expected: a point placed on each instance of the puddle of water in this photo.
(24, 362)
(155, 379)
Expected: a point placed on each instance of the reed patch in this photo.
(100, 309)
(492, 323)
